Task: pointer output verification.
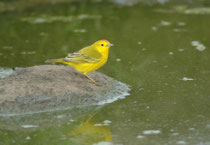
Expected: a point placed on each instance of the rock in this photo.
(55, 87)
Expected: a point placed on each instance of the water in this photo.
(160, 50)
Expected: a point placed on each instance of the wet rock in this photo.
(55, 87)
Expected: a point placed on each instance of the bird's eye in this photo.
(102, 44)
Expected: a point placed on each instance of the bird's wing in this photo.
(85, 55)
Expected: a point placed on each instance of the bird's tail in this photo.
(53, 60)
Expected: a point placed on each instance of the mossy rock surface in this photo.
(55, 87)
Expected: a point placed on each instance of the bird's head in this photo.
(102, 45)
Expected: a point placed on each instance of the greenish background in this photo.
(153, 53)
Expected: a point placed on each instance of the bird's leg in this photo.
(92, 80)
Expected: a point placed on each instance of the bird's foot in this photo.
(90, 79)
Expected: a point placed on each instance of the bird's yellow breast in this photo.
(89, 67)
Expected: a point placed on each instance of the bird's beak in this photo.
(109, 45)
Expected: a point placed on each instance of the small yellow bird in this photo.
(87, 59)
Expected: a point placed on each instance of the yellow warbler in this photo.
(87, 59)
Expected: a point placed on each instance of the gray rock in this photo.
(55, 87)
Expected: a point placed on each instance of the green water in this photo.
(170, 98)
